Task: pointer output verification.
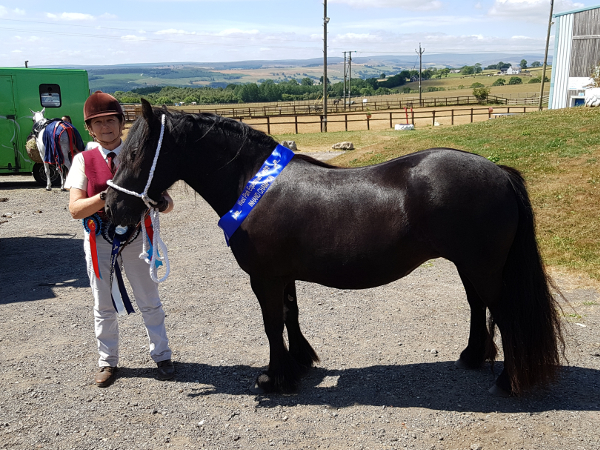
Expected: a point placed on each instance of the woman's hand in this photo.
(165, 204)
(82, 206)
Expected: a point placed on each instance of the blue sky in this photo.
(149, 31)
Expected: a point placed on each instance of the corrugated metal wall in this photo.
(561, 62)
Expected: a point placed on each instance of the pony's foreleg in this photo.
(48, 177)
(480, 346)
(283, 373)
(300, 349)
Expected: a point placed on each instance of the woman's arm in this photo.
(82, 206)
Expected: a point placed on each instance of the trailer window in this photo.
(50, 95)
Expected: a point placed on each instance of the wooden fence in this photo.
(333, 107)
(295, 124)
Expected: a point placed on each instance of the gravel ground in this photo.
(387, 377)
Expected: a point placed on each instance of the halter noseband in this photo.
(151, 204)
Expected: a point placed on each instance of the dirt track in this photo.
(387, 377)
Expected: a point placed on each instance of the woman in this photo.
(104, 120)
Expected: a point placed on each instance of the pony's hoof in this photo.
(264, 383)
(462, 364)
(63, 189)
(497, 391)
(48, 189)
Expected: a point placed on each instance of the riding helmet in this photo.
(101, 104)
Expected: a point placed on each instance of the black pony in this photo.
(360, 228)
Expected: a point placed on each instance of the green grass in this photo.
(558, 152)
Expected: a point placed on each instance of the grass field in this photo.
(557, 151)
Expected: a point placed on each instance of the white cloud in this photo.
(4, 11)
(17, 51)
(107, 16)
(175, 32)
(133, 38)
(235, 31)
(70, 16)
(530, 10)
(425, 5)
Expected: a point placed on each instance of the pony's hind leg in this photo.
(48, 176)
(283, 373)
(300, 349)
(480, 346)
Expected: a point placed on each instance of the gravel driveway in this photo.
(387, 377)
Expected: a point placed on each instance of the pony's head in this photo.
(37, 116)
(135, 165)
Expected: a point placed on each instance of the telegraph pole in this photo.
(325, 22)
(344, 89)
(350, 80)
(546, 55)
(420, 53)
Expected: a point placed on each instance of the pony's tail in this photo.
(529, 317)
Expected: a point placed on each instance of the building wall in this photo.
(586, 43)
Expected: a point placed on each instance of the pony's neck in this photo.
(219, 165)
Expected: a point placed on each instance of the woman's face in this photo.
(107, 130)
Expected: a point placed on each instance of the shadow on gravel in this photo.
(32, 266)
(7, 183)
(436, 386)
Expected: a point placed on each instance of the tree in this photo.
(499, 82)
(481, 93)
(477, 85)
(477, 68)
(467, 70)
(445, 72)
(523, 64)
(515, 80)
(382, 76)
(306, 81)
(536, 64)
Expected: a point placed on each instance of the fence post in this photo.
(471, 115)
(508, 110)
(268, 125)
(524, 109)
(391, 124)
(346, 121)
(296, 122)
(368, 126)
(452, 116)
(321, 120)
(412, 113)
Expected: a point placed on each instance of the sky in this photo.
(155, 31)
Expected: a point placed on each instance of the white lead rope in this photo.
(157, 242)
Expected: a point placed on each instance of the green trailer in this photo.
(61, 91)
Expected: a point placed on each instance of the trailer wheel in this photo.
(40, 174)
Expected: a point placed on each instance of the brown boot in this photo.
(105, 376)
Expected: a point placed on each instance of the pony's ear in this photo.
(147, 110)
(43, 109)
(32, 111)
(164, 107)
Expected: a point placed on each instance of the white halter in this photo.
(151, 204)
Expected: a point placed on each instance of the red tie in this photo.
(110, 160)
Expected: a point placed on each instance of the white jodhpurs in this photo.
(146, 296)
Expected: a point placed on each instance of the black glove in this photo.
(162, 204)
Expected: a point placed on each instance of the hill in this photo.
(218, 74)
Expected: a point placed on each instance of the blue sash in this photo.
(255, 189)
